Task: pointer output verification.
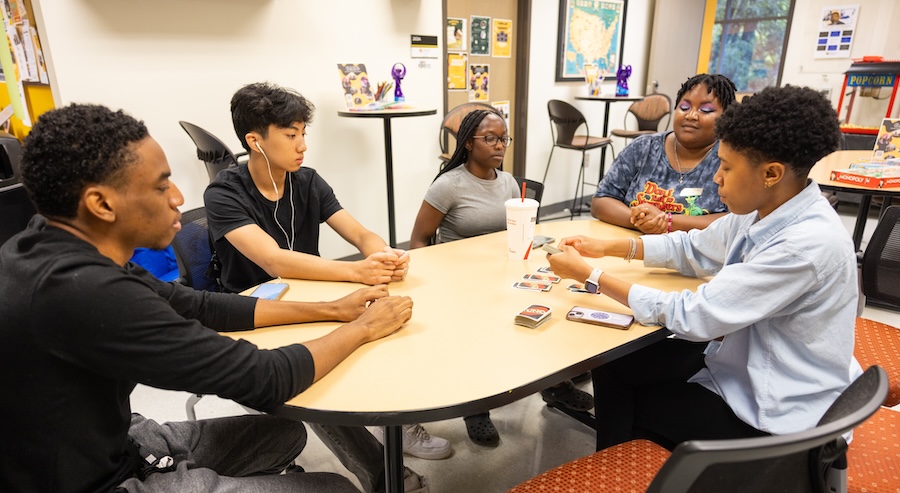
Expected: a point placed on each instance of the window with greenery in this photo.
(748, 41)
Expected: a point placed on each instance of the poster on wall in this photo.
(456, 34)
(837, 28)
(478, 82)
(502, 107)
(456, 71)
(590, 32)
(502, 38)
(481, 36)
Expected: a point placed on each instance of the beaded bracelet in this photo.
(670, 222)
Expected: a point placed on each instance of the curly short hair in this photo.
(256, 106)
(720, 86)
(73, 147)
(792, 125)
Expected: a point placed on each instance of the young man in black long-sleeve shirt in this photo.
(82, 326)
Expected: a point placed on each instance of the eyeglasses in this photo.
(492, 140)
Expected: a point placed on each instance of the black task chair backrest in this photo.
(194, 251)
(796, 462)
(450, 125)
(212, 151)
(881, 261)
(533, 190)
(565, 120)
(16, 208)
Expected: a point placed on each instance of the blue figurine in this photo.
(622, 76)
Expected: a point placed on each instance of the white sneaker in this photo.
(419, 443)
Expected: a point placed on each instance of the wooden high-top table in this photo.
(461, 349)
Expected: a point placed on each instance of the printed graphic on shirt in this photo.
(664, 199)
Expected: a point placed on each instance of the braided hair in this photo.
(467, 129)
(721, 87)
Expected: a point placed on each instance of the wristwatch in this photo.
(592, 283)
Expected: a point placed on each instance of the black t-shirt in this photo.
(232, 200)
(78, 332)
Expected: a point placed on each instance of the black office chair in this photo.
(194, 251)
(565, 120)
(648, 112)
(450, 127)
(807, 461)
(881, 262)
(16, 208)
(212, 151)
(533, 190)
(194, 254)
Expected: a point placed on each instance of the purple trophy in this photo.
(398, 73)
(622, 76)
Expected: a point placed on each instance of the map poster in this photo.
(502, 38)
(481, 36)
(837, 26)
(456, 34)
(478, 82)
(457, 63)
(590, 32)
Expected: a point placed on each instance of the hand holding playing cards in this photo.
(587, 247)
(569, 263)
(377, 268)
(384, 316)
(353, 305)
(649, 219)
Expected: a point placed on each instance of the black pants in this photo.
(646, 394)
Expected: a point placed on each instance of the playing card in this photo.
(541, 277)
(545, 270)
(533, 285)
(533, 316)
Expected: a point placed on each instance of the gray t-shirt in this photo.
(471, 206)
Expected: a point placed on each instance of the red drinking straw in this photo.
(523, 191)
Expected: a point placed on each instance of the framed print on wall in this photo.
(590, 32)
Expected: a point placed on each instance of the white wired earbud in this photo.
(289, 241)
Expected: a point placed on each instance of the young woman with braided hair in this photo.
(466, 199)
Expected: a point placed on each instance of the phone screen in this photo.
(270, 291)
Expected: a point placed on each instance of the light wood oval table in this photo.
(461, 349)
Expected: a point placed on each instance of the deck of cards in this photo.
(533, 316)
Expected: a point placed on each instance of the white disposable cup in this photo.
(520, 219)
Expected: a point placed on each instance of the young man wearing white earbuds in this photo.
(265, 216)
(264, 219)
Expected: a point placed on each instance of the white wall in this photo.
(171, 60)
(560, 183)
(876, 34)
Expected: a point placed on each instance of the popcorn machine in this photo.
(870, 90)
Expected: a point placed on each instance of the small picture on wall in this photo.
(481, 36)
(837, 26)
(456, 34)
(479, 90)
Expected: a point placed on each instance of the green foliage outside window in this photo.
(748, 42)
